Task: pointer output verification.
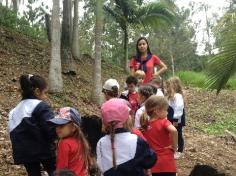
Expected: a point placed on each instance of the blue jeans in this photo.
(180, 138)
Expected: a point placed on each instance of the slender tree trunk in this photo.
(172, 64)
(48, 26)
(70, 20)
(75, 39)
(97, 86)
(208, 45)
(15, 5)
(126, 66)
(55, 77)
(67, 60)
(7, 3)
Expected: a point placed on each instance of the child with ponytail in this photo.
(32, 138)
(120, 152)
(73, 149)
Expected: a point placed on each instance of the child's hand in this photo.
(148, 172)
(175, 124)
(173, 148)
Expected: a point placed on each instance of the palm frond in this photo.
(155, 14)
(223, 65)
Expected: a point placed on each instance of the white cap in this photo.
(110, 83)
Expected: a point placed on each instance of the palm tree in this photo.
(134, 12)
(55, 77)
(97, 85)
(223, 65)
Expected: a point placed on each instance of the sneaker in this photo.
(177, 155)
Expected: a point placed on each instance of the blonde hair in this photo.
(139, 74)
(155, 102)
(173, 85)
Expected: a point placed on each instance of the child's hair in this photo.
(146, 91)
(113, 93)
(157, 80)
(29, 83)
(79, 135)
(64, 172)
(200, 170)
(154, 88)
(173, 86)
(139, 74)
(155, 102)
(112, 134)
(131, 80)
(129, 123)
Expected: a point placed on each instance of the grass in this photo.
(197, 79)
(219, 127)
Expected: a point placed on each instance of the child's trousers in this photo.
(180, 138)
(34, 169)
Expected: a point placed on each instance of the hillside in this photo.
(19, 54)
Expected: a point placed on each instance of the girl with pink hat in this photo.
(120, 152)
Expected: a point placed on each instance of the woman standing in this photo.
(146, 61)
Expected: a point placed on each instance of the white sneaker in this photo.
(177, 155)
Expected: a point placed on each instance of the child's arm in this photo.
(174, 136)
(62, 155)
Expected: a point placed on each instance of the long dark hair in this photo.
(29, 83)
(138, 54)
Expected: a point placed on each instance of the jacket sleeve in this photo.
(43, 113)
(145, 156)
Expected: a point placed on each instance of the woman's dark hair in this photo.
(138, 54)
(29, 83)
(154, 88)
(131, 80)
(200, 170)
(146, 91)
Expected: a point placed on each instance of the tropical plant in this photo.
(136, 13)
(223, 65)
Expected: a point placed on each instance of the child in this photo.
(131, 94)
(111, 89)
(157, 81)
(161, 136)
(176, 113)
(144, 93)
(32, 138)
(140, 75)
(73, 149)
(120, 152)
(205, 170)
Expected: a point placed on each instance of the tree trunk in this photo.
(97, 86)
(75, 39)
(55, 77)
(126, 66)
(7, 3)
(67, 60)
(172, 64)
(15, 5)
(48, 26)
(70, 20)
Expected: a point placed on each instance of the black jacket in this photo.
(32, 137)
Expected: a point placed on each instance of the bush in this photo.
(9, 18)
(197, 79)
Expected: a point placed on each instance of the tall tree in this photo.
(97, 86)
(15, 5)
(75, 38)
(67, 60)
(55, 77)
(133, 12)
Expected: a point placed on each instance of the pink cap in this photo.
(115, 109)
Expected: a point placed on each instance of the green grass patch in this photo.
(219, 127)
(197, 79)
